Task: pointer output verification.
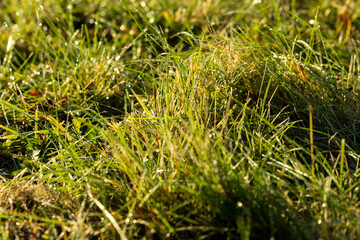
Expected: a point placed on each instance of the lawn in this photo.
(190, 119)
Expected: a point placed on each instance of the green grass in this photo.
(179, 119)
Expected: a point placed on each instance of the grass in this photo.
(179, 120)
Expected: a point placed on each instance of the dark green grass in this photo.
(179, 120)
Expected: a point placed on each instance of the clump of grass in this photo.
(183, 120)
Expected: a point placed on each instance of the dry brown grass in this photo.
(25, 195)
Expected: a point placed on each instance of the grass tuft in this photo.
(182, 120)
